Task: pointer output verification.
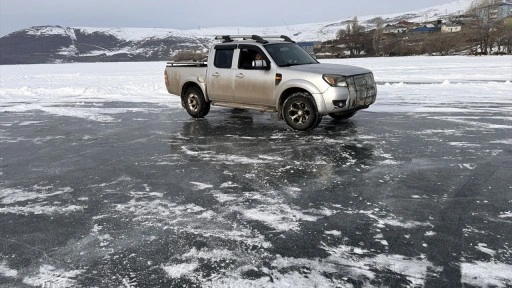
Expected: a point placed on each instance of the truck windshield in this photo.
(289, 54)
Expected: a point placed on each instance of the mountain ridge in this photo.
(54, 44)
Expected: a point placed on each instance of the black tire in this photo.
(342, 116)
(300, 113)
(318, 120)
(195, 104)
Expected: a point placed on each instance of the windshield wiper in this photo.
(292, 64)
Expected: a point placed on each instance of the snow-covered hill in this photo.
(301, 32)
(43, 44)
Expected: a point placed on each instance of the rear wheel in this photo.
(300, 113)
(194, 103)
(342, 116)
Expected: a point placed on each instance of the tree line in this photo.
(479, 35)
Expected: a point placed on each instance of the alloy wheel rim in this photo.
(299, 113)
(193, 102)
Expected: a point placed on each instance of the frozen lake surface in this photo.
(105, 181)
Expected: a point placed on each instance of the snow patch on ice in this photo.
(224, 158)
(470, 166)
(201, 186)
(229, 184)
(222, 197)
(280, 217)
(213, 254)
(482, 247)
(179, 270)
(104, 239)
(36, 201)
(333, 232)
(163, 208)
(27, 123)
(49, 276)
(441, 131)
(359, 262)
(486, 274)
(274, 158)
(389, 162)
(464, 144)
(14, 195)
(382, 222)
(473, 123)
(5, 271)
(41, 209)
(507, 141)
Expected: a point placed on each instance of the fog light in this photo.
(339, 103)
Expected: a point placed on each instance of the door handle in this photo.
(216, 74)
(240, 75)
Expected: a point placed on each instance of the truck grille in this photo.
(363, 90)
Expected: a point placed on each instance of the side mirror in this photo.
(260, 64)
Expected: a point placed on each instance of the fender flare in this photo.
(289, 87)
(194, 81)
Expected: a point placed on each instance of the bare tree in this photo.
(377, 36)
(341, 34)
(484, 32)
(441, 44)
(353, 37)
(502, 37)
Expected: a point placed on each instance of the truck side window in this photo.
(223, 58)
(247, 55)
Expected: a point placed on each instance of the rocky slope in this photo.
(55, 44)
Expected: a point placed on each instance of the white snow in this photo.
(201, 186)
(178, 270)
(35, 201)
(49, 276)
(415, 269)
(280, 217)
(483, 248)
(5, 271)
(320, 31)
(41, 208)
(10, 196)
(333, 233)
(79, 90)
(486, 274)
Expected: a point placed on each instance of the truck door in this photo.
(220, 76)
(253, 85)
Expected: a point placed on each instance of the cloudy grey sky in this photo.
(191, 14)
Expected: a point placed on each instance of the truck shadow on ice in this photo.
(250, 123)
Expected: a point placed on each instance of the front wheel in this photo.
(300, 113)
(195, 104)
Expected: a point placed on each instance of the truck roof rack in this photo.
(257, 38)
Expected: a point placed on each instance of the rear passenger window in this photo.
(223, 58)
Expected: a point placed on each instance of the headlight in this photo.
(335, 80)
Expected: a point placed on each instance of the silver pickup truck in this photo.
(273, 74)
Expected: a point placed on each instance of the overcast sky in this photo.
(191, 14)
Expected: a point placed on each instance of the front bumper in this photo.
(360, 93)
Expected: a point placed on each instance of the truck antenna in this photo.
(287, 28)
